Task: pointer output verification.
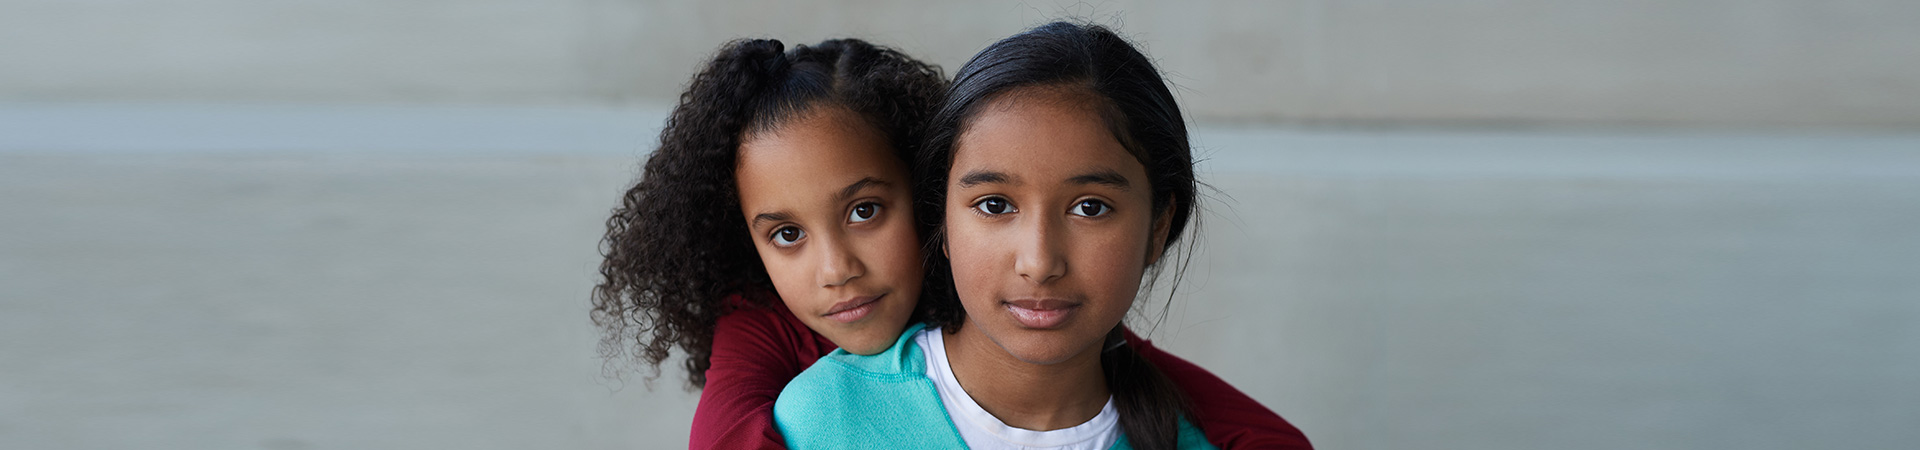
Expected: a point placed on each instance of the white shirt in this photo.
(983, 431)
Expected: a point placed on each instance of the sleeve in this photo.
(756, 351)
(1229, 417)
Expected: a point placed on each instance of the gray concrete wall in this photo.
(357, 256)
(1381, 290)
(1497, 62)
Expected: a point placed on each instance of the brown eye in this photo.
(786, 236)
(1091, 208)
(864, 212)
(994, 206)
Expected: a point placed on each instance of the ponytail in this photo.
(1152, 402)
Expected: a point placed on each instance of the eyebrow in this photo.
(769, 217)
(979, 177)
(843, 195)
(855, 188)
(1106, 177)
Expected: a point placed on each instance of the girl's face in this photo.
(827, 204)
(1049, 225)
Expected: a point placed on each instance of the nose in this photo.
(1041, 257)
(839, 264)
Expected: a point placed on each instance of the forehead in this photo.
(1043, 131)
(818, 151)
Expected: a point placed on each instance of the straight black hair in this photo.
(1140, 111)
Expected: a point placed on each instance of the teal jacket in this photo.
(850, 401)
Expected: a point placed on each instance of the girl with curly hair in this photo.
(1056, 177)
(775, 224)
(772, 225)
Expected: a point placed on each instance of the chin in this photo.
(868, 341)
(1039, 350)
(864, 349)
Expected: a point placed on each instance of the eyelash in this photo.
(852, 216)
(1103, 208)
(802, 234)
(1079, 206)
(775, 237)
(980, 206)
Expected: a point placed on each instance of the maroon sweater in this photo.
(757, 350)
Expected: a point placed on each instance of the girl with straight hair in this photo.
(1056, 177)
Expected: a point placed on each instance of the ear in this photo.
(1161, 226)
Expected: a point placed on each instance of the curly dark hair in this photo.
(677, 246)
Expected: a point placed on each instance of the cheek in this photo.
(1120, 250)
(899, 253)
(1112, 263)
(787, 271)
(970, 251)
(1115, 269)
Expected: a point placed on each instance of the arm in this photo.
(1230, 418)
(756, 351)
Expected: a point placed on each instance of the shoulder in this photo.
(841, 377)
(761, 336)
(755, 352)
(904, 359)
(1190, 439)
(753, 310)
(1230, 417)
(851, 401)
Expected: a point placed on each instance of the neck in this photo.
(1038, 397)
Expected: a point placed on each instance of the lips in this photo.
(1041, 313)
(853, 309)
